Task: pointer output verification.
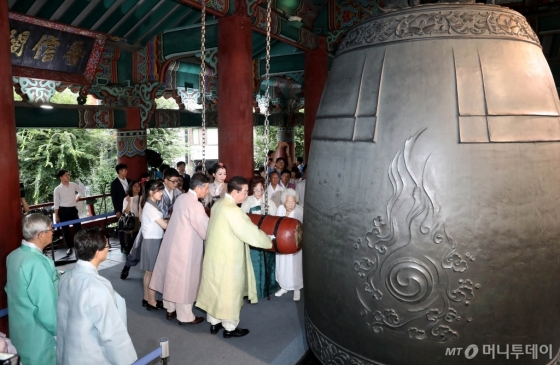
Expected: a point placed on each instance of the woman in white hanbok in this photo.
(289, 272)
(274, 188)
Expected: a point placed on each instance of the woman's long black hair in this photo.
(151, 185)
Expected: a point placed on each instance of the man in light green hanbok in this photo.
(227, 272)
(32, 290)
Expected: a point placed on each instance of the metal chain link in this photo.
(267, 100)
(202, 88)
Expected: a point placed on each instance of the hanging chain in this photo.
(202, 88)
(267, 100)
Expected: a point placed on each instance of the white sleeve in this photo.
(281, 211)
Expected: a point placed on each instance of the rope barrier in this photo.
(162, 351)
(86, 219)
(148, 358)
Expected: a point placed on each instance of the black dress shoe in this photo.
(124, 274)
(215, 328)
(69, 252)
(238, 332)
(159, 305)
(151, 307)
(171, 315)
(197, 320)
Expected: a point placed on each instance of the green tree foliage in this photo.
(42, 152)
(90, 155)
(259, 149)
(168, 142)
(65, 97)
(163, 103)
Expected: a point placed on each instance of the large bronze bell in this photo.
(433, 202)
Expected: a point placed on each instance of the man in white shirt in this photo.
(170, 193)
(65, 197)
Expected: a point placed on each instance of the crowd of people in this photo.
(194, 242)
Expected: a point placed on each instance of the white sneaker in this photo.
(297, 295)
(280, 292)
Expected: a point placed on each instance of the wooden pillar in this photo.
(235, 94)
(316, 71)
(10, 214)
(131, 145)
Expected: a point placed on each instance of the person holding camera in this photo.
(65, 197)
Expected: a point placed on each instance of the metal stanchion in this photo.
(162, 351)
(164, 344)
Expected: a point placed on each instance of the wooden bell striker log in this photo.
(288, 232)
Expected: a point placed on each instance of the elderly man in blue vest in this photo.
(32, 290)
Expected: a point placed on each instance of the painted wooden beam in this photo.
(69, 116)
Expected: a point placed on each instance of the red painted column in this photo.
(316, 71)
(131, 145)
(10, 214)
(235, 95)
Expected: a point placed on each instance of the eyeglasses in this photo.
(173, 181)
(48, 230)
(258, 191)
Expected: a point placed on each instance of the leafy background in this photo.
(91, 154)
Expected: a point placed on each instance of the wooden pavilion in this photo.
(127, 53)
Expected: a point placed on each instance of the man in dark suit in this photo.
(119, 186)
(186, 177)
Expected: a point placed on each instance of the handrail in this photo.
(82, 220)
(44, 205)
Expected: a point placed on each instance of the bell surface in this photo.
(431, 215)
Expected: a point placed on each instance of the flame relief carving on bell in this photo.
(407, 279)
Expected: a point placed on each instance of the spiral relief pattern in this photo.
(409, 280)
(407, 274)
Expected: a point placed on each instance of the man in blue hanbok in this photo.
(91, 315)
